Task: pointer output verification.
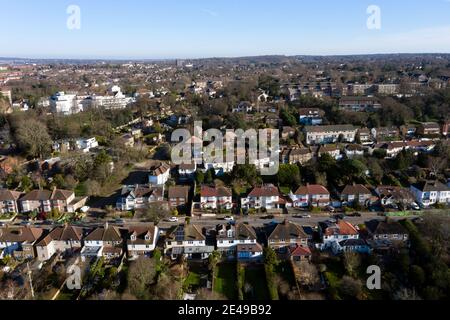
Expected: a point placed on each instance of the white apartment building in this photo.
(65, 104)
(330, 134)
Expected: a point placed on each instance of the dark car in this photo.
(339, 216)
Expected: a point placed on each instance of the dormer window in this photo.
(147, 237)
(133, 237)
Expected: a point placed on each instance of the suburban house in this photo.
(286, 235)
(429, 129)
(64, 239)
(354, 150)
(230, 237)
(187, 171)
(104, 241)
(359, 104)
(364, 135)
(159, 174)
(44, 201)
(139, 196)
(188, 241)
(243, 107)
(141, 240)
(385, 133)
(384, 234)
(356, 193)
(216, 198)
(299, 155)
(266, 196)
(19, 241)
(408, 130)
(178, 197)
(310, 195)
(299, 254)
(85, 145)
(336, 232)
(311, 116)
(330, 134)
(8, 201)
(287, 133)
(249, 252)
(333, 150)
(36, 200)
(428, 193)
(390, 195)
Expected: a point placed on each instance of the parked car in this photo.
(229, 218)
(173, 219)
(354, 214)
(339, 216)
(415, 206)
(331, 209)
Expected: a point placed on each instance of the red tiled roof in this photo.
(264, 191)
(312, 189)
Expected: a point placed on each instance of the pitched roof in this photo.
(140, 191)
(312, 189)
(64, 233)
(20, 234)
(355, 189)
(159, 169)
(299, 251)
(288, 230)
(141, 232)
(207, 191)
(59, 194)
(179, 192)
(110, 233)
(37, 195)
(187, 232)
(426, 186)
(383, 227)
(8, 195)
(265, 191)
(341, 228)
(245, 232)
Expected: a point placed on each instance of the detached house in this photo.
(385, 234)
(216, 198)
(389, 195)
(141, 240)
(356, 193)
(188, 241)
(178, 197)
(138, 197)
(336, 232)
(428, 193)
(287, 235)
(19, 241)
(267, 197)
(8, 201)
(103, 242)
(159, 174)
(65, 239)
(429, 129)
(311, 195)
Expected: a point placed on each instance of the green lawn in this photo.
(192, 280)
(255, 277)
(225, 280)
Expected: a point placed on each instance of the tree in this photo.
(167, 288)
(214, 259)
(289, 175)
(155, 212)
(417, 276)
(270, 257)
(350, 287)
(199, 177)
(352, 261)
(141, 275)
(33, 138)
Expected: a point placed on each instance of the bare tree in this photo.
(352, 261)
(141, 275)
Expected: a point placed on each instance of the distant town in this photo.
(93, 206)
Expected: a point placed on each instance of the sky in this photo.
(177, 29)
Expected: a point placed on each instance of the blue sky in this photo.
(220, 28)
